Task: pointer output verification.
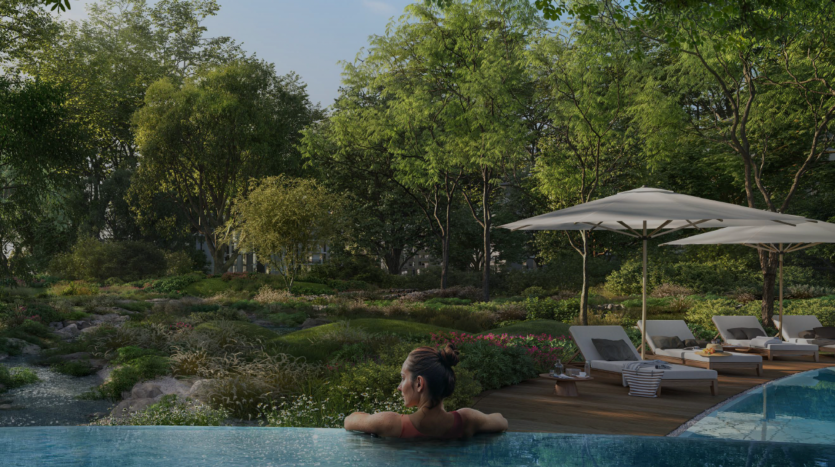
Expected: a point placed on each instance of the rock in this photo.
(5, 407)
(25, 347)
(56, 325)
(90, 329)
(68, 332)
(98, 364)
(3, 356)
(2, 387)
(129, 406)
(104, 373)
(313, 322)
(113, 310)
(145, 391)
(150, 392)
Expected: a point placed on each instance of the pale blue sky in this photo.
(309, 37)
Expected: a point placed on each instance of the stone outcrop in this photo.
(148, 393)
(25, 347)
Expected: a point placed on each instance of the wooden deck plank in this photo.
(604, 407)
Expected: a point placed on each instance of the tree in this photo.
(106, 63)
(455, 79)
(24, 26)
(757, 90)
(596, 139)
(205, 141)
(34, 164)
(284, 220)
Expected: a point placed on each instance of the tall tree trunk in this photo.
(584, 294)
(486, 223)
(393, 261)
(768, 261)
(218, 266)
(445, 247)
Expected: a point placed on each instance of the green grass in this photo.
(539, 326)
(371, 325)
(248, 330)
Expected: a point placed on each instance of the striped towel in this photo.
(644, 377)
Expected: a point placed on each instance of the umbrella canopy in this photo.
(643, 213)
(771, 236)
(658, 208)
(780, 239)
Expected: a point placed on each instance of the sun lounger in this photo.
(724, 323)
(676, 376)
(678, 328)
(793, 325)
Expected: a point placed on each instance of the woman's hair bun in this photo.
(448, 355)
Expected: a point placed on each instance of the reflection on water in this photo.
(228, 446)
(797, 409)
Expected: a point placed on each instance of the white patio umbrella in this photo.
(780, 239)
(643, 214)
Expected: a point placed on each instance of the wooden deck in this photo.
(604, 407)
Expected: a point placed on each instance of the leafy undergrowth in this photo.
(539, 326)
(216, 285)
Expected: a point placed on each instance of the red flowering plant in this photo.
(181, 326)
(544, 349)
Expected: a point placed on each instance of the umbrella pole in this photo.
(644, 300)
(780, 326)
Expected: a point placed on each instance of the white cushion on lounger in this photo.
(692, 355)
(794, 325)
(786, 346)
(676, 371)
(584, 334)
(666, 328)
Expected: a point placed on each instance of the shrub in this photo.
(16, 377)
(74, 289)
(170, 411)
(494, 366)
(824, 310)
(806, 291)
(132, 352)
(535, 291)
(547, 308)
(76, 368)
(35, 328)
(702, 312)
(123, 379)
(178, 263)
(670, 290)
(94, 260)
(175, 283)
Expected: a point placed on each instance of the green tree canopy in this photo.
(205, 141)
(284, 220)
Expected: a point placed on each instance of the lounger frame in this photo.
(722, 324)
(618, 332)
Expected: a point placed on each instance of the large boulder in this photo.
(146, 393)
(25, 347)
(68, 332)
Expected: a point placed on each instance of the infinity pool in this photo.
(224, 446)
(796, 409)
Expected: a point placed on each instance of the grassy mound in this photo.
(315, 345)
(539, 326)
(371, 325)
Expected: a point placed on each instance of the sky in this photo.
(308, 37)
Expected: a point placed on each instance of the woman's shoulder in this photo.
(380, 423)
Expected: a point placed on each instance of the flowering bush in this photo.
(543, 349)
(309, 411)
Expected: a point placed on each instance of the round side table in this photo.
(566, 387)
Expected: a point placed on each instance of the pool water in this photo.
(233, 446)
(796, 409)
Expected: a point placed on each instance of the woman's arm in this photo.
(479, 422)
(385, 424)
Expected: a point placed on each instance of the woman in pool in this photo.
(427, 379)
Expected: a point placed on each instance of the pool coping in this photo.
(685, 426)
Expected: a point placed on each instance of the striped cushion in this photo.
(643, 383)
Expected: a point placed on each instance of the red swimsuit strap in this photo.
(408, 429)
